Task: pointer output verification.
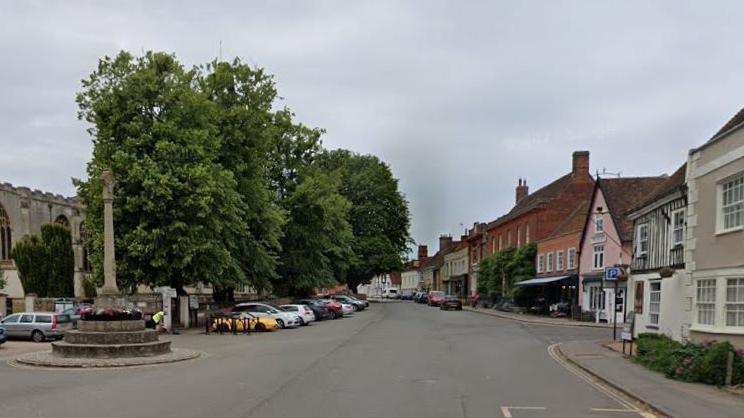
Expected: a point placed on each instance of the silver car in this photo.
(38, 326)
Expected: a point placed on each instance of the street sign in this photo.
(626, 336)
(612, 273)
(618, 304)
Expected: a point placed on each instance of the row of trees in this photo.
(217, 184)
(498, 272)
(46, 262)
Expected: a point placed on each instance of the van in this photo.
(38, 326)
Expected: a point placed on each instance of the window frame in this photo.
(674, 243)
(720, 206)
(560, 265)
(654, 301)
(639, 252)
(549, 265)
(540, 263)
(571, 258)
(739, 302)
(595, 253)
(711, 286)
(599, 223)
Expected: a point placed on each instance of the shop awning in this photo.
(539, 281)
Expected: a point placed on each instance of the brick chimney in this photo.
(423, 252)
(444, 242)
(522, 190)
(580, 163)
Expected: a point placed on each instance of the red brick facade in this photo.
(537, 216)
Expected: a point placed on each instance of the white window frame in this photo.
(500, 243)
(598, 223)
(639, 251)
(722, 207)
(598, 256)
(734, 304)
(705, 301)
(559, 262)
(571, 258)
(508, 238)
(550, 257)
(654, 301)
(675, 228)
(519, 236)
(527, 234)
(540, 262)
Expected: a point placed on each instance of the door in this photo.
(10, 324)
(25, 325)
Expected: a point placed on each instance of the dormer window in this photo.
(599, 222)
(641, 249)
(678, 228)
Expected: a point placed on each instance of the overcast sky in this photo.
(461, 98)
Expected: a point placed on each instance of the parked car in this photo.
(451, 302)
(436, 297)
(333, 306)
(3, 336)
(423, 298)
(406, 294)
(391, 294)
(255, 323)
(303, 311)
(284, 319)
(320, 311)
(38, 326)
(76, 311)
(359, 305)
(365, 302)
(348, 309)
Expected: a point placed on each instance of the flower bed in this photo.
(110, 315)
(704, 363)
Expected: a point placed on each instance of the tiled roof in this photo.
(573, 223)
(534, 200)
(735, 121)
(438, 258)
(670, 185)
(623, 194)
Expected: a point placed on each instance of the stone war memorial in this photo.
(109, 336)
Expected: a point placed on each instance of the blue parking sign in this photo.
(612, 273)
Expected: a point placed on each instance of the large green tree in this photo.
(379, 214)
(46, 263)
(318, 237)
(177, 211)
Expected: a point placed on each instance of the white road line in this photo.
(506, 410)
(597, 385)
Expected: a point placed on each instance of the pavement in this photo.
(396, 359)
(670, 397)
(541, 320)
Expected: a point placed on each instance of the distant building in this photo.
(22, 212)
(455, 269)
(607, 242)
(659, 285)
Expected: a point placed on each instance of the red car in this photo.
(333, 307)
(436, 297)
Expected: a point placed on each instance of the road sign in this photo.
(626, 336)
(612, 273)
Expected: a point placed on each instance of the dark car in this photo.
(320, 311)
(421, 297)
(3, 336)
(406, 294)
(451, 302)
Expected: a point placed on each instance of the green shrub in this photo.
(712, 368)
(655, 351)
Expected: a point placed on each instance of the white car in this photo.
(284, 319)
(347, 309)
(303, 311)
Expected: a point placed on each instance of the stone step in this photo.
(147, 349)
(111, 326)
(123, 337)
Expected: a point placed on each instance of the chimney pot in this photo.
(522, 190)
(580, 162)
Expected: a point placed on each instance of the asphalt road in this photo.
(395, 360)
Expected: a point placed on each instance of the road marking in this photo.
(506, 410)
(612, 410)
(597, 384)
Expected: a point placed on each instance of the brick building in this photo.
(537, 216)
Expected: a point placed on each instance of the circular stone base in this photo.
(46, 359)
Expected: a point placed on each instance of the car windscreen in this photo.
(62, 318)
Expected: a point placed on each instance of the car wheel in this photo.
(37, 336)
(281, 323)
(302, 321)
(260, 327)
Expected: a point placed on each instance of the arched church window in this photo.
(62, 220)
(4, 235)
